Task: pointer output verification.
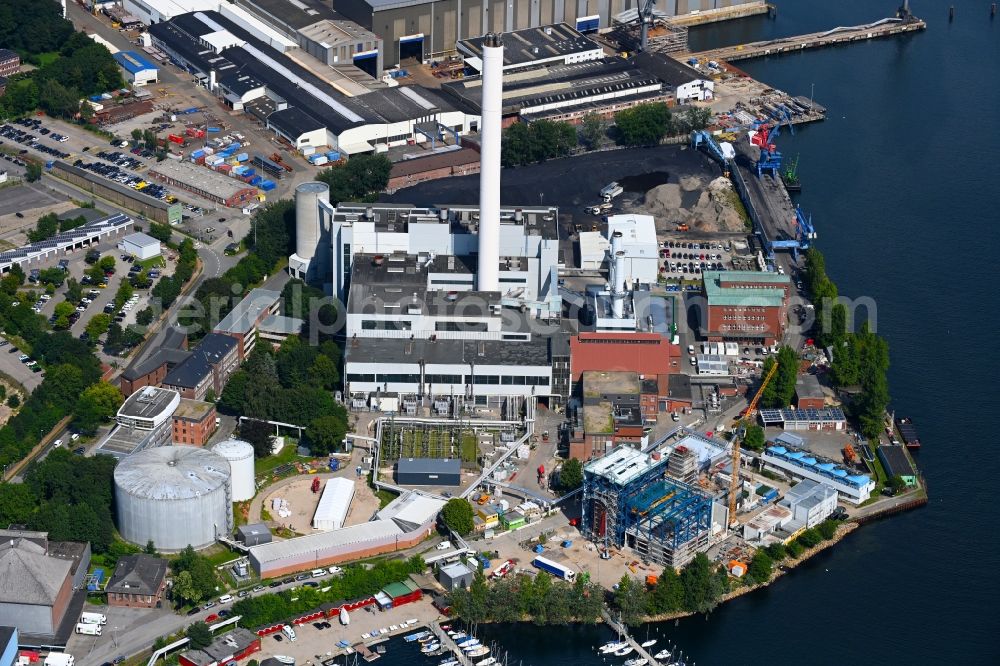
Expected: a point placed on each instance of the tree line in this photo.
(70, 64)
(293, 385)
(360, 179)
(357, 581)
(540, 598)
(68, 496)
(860, 358)
(698, 588)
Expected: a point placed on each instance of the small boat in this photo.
(345, 618)
(457, 634)
(284, 659)
(479, 651)
(487, 662)
(430, 647)
(417, 636)
(444, 627)
(628, 649)
(638, 661)
(471, 646)
(380, 649)
(412, 621)
(650, 643)
(611, 646)
(449, 662)
(662, 654)
(471, 640)
(428, 637)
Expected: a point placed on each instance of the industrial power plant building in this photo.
(629, 501)
(174, 496)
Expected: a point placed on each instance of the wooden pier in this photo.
(623, 630)
(884, 28)
(447, 641)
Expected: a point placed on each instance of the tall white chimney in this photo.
(488, 275)
(617, 277)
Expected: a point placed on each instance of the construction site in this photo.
(632, 499)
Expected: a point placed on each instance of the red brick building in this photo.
(233, 645)
(193, 422)
(808, 393)
(746, 306)
(208, 368)
(139, 581)
(10, 62)
(453, 163)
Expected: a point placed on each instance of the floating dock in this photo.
(886, 27)
(623, 630)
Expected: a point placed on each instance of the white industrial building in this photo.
(641, 261)
(332, 111)
(446, 306)
(799, 464)
(334, 504)
(811, 502)
(140, 245)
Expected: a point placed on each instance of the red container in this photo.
(176, 139)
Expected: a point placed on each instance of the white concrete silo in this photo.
(240, 457)
(174, 496)
(307, 225)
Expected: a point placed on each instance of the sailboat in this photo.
(650, 643)
(624, 651)
(345, 618)
(611, 646)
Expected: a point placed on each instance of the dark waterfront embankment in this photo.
(901, 180)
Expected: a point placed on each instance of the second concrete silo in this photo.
(240, 457)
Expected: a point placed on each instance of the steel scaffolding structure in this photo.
(628, 501)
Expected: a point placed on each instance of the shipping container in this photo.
(267, 185)
(250, 171)
(256, 180)
(242, 157)
(318, 160)
(333, 155)
(224, 168)
(212, 129)
(176, 139)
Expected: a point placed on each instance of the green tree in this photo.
(161, 232)
(62, 313)
(643, 124)
(457, 516)
(259, 435)
(827, 529)
(703, 585)
(98, 325)
(47, 226)
(17, 502)
(144, 317)
(897, 484)
(184, 590)
(753, 439)
(360, 179)
(760, 568)
(150, 548)
(106, 263)
(810, 537)
(593, 129)
(74, 292)
(323, 373)
(32, 172)
(630, 599)
(571, 475)
(326, 434)
(668, 594)
(199, 635)
(13, 401)
(97, 404)
(124, 293)
(776, 551)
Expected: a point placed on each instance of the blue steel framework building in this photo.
(629, 501)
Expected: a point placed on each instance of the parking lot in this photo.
(689, 259)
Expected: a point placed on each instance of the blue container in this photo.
(255, 181)
(212, 129)
(267, 185)
(242, 157)
(250, 171)
(539, 548)
(333, 155)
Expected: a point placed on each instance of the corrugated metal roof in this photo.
(347, 536)
(335, 502)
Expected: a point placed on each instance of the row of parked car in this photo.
(119, 175)
(25, 138)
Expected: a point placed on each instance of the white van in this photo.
(88, 629)
(288, 632)
(318, 573)
(225, 598)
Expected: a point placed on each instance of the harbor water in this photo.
(901, 181)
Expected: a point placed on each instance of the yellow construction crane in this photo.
(734, 482)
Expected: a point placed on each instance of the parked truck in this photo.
(610, 191)
(88, 629)
(554, 568)
(93, 618)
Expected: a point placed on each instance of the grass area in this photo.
(384, 497)
(152, 262)
(43, 59)
(283, 457)
(220, 557)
